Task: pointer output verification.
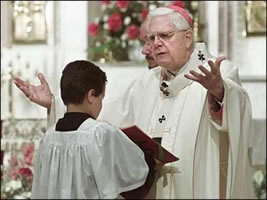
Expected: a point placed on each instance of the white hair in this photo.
(176, 18)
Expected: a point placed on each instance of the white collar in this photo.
(171, 88)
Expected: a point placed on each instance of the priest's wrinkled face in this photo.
(171, 47)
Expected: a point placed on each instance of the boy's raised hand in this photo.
(40, 94)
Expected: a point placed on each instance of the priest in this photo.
(196, 105)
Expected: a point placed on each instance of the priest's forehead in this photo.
(160, 24)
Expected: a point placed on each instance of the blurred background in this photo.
(43, 36)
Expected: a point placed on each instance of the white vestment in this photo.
(97, 161)
(187, 129)
(189, 132)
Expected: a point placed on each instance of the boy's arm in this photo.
(113, 155)
(141, 192)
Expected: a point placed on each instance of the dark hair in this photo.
(78, 78)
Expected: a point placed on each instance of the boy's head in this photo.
(83, 86)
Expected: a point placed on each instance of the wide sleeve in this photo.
(230, 79)
(51, 113)
(120, 111)
(238, 115)
(56, 111)
(118, 164)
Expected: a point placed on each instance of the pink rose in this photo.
(115, 22)
(93, 29)
(105, 2)
(13, 173)
(25, 172)
(132, 32)
(144, 13)
(28, 151)
(123, 4)
(28, 159)
(179, 3)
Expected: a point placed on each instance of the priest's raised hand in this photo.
(40, 94)
(211, 80)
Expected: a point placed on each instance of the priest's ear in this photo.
(189, 36)
(91, 95)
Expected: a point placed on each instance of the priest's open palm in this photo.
(212, 79)
(40, 94)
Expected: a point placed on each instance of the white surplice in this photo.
(97, 161)
(187, 129)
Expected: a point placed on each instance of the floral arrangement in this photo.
(16, 181)
(259, 183)
(117, 30)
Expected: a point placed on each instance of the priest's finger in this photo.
(42, 79)
(32, 94)
(23, 87)
(19, 83)
(193, 78)
(25, 90)
(197, 75)
(212, 67)
(205, 71)
(218, 61)
(215, 67)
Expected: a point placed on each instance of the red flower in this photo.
(115, 22)
(132, 32)
(93, 29)
(13, 173)
(123, 4)
(105, 2)
(28, 160)
(179, 3)
(25, 172)
(144, 13)
(28, 150)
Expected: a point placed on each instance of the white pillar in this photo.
(212, 22)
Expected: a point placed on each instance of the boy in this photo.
(80, 157)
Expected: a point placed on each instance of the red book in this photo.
(147, 143)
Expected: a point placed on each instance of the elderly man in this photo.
(194, 103)
(147, 48)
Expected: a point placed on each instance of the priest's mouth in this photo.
(160, 54)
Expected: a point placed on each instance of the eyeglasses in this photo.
(164, 36)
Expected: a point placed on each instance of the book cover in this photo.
(147, 143)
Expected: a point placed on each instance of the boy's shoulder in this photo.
(96, 125)
(91, 129)
(101, 131)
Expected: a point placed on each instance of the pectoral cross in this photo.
(162, 119)
(165, 92)
(201, 56)
(164, 89)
